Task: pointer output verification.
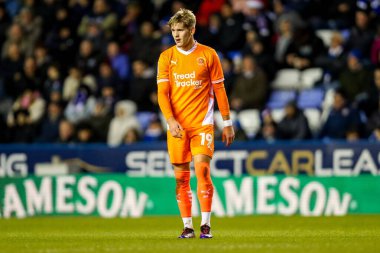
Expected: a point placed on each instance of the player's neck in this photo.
(189, 45)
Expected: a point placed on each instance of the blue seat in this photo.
(145, 118)
(279, 98)
(311, 98)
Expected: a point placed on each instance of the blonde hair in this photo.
(184, 16)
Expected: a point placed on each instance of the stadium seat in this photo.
(325, 35)
(279, 98)
(313, 116)
(250, 122)
(219, 120)
(311, 98)
(287, 79)
(145, 118)
(310, 76)
(277, 114)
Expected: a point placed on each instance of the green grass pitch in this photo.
(355, 233)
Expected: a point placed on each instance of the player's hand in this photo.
(228, 135)
(175, 128)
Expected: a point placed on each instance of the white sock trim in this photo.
(188, 222)
(206, 218)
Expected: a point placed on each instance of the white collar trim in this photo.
(188, 51)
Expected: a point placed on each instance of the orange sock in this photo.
(183, 191)
(205, 187)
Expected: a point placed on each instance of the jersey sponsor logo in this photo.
(187, 80)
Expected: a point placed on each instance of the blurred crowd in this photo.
(84, 71)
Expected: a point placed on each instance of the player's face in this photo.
(183, 36)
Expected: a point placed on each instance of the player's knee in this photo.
(182, 178)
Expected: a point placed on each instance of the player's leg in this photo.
(184, 198)
(180, 158)
(205, 192)
(202, 147)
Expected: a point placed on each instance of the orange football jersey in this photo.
(191, 75)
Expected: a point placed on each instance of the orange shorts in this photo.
(195, 141)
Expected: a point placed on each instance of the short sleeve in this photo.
(163, 69)
(216, 71)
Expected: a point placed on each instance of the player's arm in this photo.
(163, 91)
(166, 108)
(216, 74)
(228, 134)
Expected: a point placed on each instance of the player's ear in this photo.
(192, 31)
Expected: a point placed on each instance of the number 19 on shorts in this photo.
(206, 137)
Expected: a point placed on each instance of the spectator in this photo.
(66, 132)
(53, 81)
(11, 69)
(375, 135)
(62, 45)
(268, 129)
(340, 14)
(118, 60)
(124, 120)
(108, 98)
(23, 130)
(361, 34)
(45, 9)
(15, 36)
(78, 10)
(49, 127)
(352, 134)
(258, 21)
(285, 35)
(206, 9)
(283, 13)
(81, 105)
(145, 44)
(142, 86)
(101, 15)
(251, 88)
(355, 79)
(71, 83)
(31, 26)
(131, 136)
(29, 78)
(62, 18)
(108, 77)
(232, 34)
(95, 34)
(88, 59)
(129, 24)
(100, 120)
(154, 132)
(30, 101)
(294, 125)
(304, 49)
(43, 60)
(263, 58)
(209, 35)
(85, 133)
(341, 118)
(333, 61)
